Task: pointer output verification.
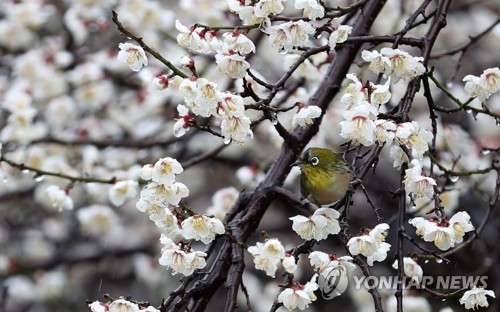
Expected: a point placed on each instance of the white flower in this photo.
(403, 65)
(230, 105)
(167, 221)
(290, 34)
(98, 306)
(267, 256)
(289, 263)
(133, 55)
(460, 223)
(146, 172)
(160, 82)
(164, 171)
(300, 32)
(190, 38)
(476, 297)
(202, 228)
(97, 220)
(162, 195)
(233, 65)
(236, 128)
(310, 228)
(372, 245)
(180, 261)
(358, 125)
(239, 42)
(384, 130)
(442, 235)
(305, 115)
(399, 156)
(323, 263)
(411, 268)
(417, 183)
(312, 8)
(299, 296)
(380, 94)
(207, 97)
(59, 198)
(378, 62)
(395, 63)
(485, 85)
(265, 8)
(222, 201)
(121, 191)
(181, 126)
(339, 35)
(122, 305)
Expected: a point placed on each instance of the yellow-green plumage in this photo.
(324, 177)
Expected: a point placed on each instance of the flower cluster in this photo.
(159, 200)
(180, 258)
(371, 244)
(444, 233)
(203, 98)
(483, 86)
(394, 63)
(322, 223)
(21, 125)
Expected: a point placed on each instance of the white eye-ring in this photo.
(314, 160)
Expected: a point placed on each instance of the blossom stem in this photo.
(151, 51)
(40, 172)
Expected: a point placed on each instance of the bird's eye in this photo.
(314, 160)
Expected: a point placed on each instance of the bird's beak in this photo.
(297, 163)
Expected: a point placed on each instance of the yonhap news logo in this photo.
(334, 282)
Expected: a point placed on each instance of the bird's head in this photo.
(317, 158)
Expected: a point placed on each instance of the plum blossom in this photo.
(122, 305)
(321, 224)
(188, 37)
(163, 195)
(202, 228)
(312, 8)
(299, 296)
(121, 191)
(476, 297)
(444, 233)
(232, 64)
(339, 35)
(236, 128)
(305, 115)
(411, 268)
(289, 263)
(59, 198)
(416, 183)
(133, 55)
(358, 125)
(165, 169)
(267, 256)
(264, 8)
(288, 35)
(394, 63)
(238, 42)
(483, 86)
(372, 244)
(182, 260)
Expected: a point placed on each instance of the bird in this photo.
(324, 175)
